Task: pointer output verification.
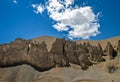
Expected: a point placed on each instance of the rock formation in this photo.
(109, 50)
(118, 47)
(69, 51)
(58, 51)
(24, 52)
(61, 54)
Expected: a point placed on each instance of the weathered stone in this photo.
(39, 58)
(99, 47)
(61, 54)
(95, 54)
(118, 47)
(58, 46)
(84, 61)
(81, 53)
(109, 50)
(61, 61)
(24, 52)
(69, 50)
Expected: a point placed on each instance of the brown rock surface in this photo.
(20, 59)
(69, 51)
(58, 51)
(109, 50)
(118, 46)
(24, 52)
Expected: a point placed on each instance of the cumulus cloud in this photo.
(14, 1)
(61, 27)
(38, 8)
(78, 22)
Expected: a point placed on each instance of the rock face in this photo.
(27, 56)
(58, 51)
(69, 51)
(61, 54)
(118, 47)
(24, 52)
(95, 54)
(109, 50)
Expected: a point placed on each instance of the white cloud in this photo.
(14, 1)
(38, 8)
(78, 22)
(61, 27)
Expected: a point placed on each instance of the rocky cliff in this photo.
(43, 54)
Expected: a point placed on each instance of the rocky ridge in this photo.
(43, 55)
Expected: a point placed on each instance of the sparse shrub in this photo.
(111, 69)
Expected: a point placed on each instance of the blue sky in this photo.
(21, 19)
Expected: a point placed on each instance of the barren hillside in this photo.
(50, 40)
(112, 40)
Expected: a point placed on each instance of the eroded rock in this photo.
(61, 54)
(109, 50)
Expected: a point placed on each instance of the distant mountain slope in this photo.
(112, 40)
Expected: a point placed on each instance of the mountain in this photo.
(51, 59)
